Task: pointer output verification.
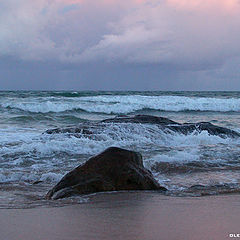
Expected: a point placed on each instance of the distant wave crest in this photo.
(124, 104)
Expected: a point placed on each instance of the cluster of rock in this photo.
(118, 169)
(162, 123)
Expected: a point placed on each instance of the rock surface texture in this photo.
(115, 169)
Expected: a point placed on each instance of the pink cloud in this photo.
(152, 31)
(226, 6)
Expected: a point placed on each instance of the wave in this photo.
(29, 150)
(115, 104)
(43, 119)
(39, 107)
(177, 161)
(20, 176)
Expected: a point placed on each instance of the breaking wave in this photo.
(28, 155)
(115, 104)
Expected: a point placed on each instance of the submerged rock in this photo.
(82, 130)
(188, 128)
(90, 129)
(185, 128)
(115, 169)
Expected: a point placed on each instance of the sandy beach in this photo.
(128, 216)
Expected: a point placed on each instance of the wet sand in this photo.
(127, 216)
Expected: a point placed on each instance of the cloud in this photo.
(222, 6)
(58, 30)
(187, 34)
(169, 32)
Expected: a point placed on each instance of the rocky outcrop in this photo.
(140, 119)
(78, 130)
(89, 129)
(188, 128)
(115, 169)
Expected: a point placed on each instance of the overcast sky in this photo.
(120, 45)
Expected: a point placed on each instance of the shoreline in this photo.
(128, 216)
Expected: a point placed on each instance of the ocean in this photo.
(197, 164)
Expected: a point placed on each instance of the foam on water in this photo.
(51, 177)
(33, 156)
(115, 104)
(126, 104)
(218, 179)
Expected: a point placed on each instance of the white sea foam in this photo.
(183, 181)
(196, 147)
(39, 107)
(124, 104)
(51, 177)
(33, 156)
(37, 144)
(141, 136)
(22, 176)
(8, 176)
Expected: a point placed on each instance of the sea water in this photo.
(192, 165)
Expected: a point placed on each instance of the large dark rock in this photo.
(114, 169)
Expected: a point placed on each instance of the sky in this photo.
(120, 45)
